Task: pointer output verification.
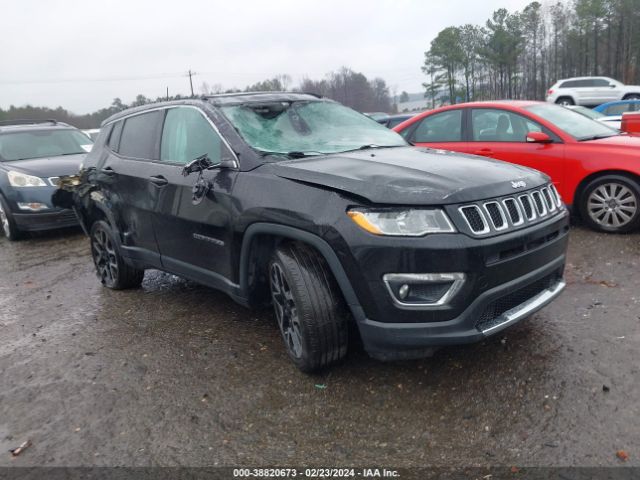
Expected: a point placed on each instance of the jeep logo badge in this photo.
(518, 184)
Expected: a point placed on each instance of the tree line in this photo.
(519, 55)
(345, 85)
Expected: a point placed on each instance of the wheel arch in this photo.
(631, 94)
(577, 197)
(570, 97)
(272, 235)
(93, 211)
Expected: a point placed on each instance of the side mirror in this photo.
(612, 85)
(538, 137)
(203, 162)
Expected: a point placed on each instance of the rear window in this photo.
(43, 143)
(140, 136)
(114, 138)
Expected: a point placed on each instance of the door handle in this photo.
(158, 180)
(108, 171)
(487, 152)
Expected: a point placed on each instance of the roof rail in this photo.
(247, 94)
(5, 123)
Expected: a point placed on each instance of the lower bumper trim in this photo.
(32, 222)
(525, 309)
(490, 313)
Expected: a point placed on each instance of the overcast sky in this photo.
(83, 54)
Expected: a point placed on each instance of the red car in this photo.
(595, 168)
(631, 123)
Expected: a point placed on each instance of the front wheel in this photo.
(7, 223)
(111, 268)
(309, 308)
(565, 101)
(632, 96)
(611, 203)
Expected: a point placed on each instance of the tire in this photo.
(111, 268)
(309, 308)
(565, 101)
(7, 223)
(611, 203)
(632, 96)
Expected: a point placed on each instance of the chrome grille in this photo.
(550, 202)
(502, 214)
(515, 215)
(539, 203)
(475, 219)
(527, 206)
(498, 220)
(556, 194)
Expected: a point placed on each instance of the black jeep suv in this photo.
(301, 202)
(33, 156)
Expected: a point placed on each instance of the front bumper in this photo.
(48, 219)
(33, 222)
(508, 277)
(491, 312)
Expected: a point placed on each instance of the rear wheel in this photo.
(111, 268)
(7, 223)
(309, 308)
(611, 203)
(565, 101)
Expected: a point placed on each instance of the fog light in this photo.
(32, 207)
(420, 290)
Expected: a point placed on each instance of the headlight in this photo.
(17, 179)
(405, 222)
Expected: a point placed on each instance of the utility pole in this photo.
(167, 94)
(191, 74)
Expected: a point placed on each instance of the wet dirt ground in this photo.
(178, 374)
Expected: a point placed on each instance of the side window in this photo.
(139, 136)
(569, 84)
(187, 135)
(600, 82)
(586, 83)
(441, 127)
(491, 125)
(619, 109)
(114, 138)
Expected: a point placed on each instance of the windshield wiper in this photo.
(298, 154)
(370, 147)
(598, 137)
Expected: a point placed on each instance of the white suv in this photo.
(591, 91)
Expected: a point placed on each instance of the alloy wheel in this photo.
(286, 310)
(4, 220)
(612, 205)
(104, 257)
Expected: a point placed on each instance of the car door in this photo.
(123, 180)
(193, 232)
(440, 130)
(585, 91)
(605, 90)
(501, 134)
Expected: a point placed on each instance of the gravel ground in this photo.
(176, 374)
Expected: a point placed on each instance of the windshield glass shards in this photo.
(304, 128)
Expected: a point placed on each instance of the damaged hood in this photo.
(47, 166)
(411, 176)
